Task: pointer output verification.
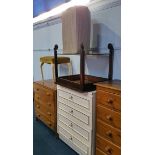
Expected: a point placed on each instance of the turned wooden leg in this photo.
(41, 67)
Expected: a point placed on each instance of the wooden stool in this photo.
(50, 60)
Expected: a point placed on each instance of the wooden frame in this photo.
(82, 82)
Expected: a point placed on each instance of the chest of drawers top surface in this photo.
(110, 86)
(46, 84)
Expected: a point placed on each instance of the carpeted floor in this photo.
(46, 143)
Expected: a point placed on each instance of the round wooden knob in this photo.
(38, 106)
(109, 117)
(110, 101)
(37, 89)
(49, 103)
(49, 124)
(38, 115)
(108, 149)
(109, 134)
(48, 94)
(49, 113)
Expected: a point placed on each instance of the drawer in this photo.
(99, 152)
(74, 120)
(74, 105)
(84, 133)
(108, 132)
(80, 116)
(44, 119)
(108, 99)
(45, 100)
(76, 99)
(73, 140)
(48, 111)
(44, 95)
(109, 116)
(107, 147)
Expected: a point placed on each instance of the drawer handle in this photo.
(110, 101)
(49, 124)
(109, 134)
(108, 149)
(49, 103)
(48, 94)
(38, 98)
(37, 89)
(71, 138)
(71, 97)
(109, 117)
(71, 111)
(71, 125)
(49, 113)
(38, 115)
(38, 106)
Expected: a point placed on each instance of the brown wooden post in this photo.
(56, 62)
(82, 67)
(111, 57)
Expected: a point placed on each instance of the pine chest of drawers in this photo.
(45, 102)
(76, 119)
(108, 118)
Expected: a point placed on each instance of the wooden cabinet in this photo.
(108, 118)
(45, 102)
(76, 119)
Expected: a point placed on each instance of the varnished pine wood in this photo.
(108, 118)
(45, 102)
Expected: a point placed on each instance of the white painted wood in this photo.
(84, 133)
(76, 106)
(73, 119)
(76, 122)
(80, 101)
(78, 115)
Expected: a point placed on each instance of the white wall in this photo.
(105, 28)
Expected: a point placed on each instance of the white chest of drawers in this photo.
(76, 119)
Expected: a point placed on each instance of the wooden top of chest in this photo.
(47, 83)
(114, 85)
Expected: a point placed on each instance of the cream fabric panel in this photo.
(75, 29)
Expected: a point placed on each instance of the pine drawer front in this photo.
(80, 147)
(78, 115)
(108, 132)
(108, 99)
(109, 116)
(79, 130)
(44, 119)
(43, 107)
(79, 100)
(107, 147)
(49, 113)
